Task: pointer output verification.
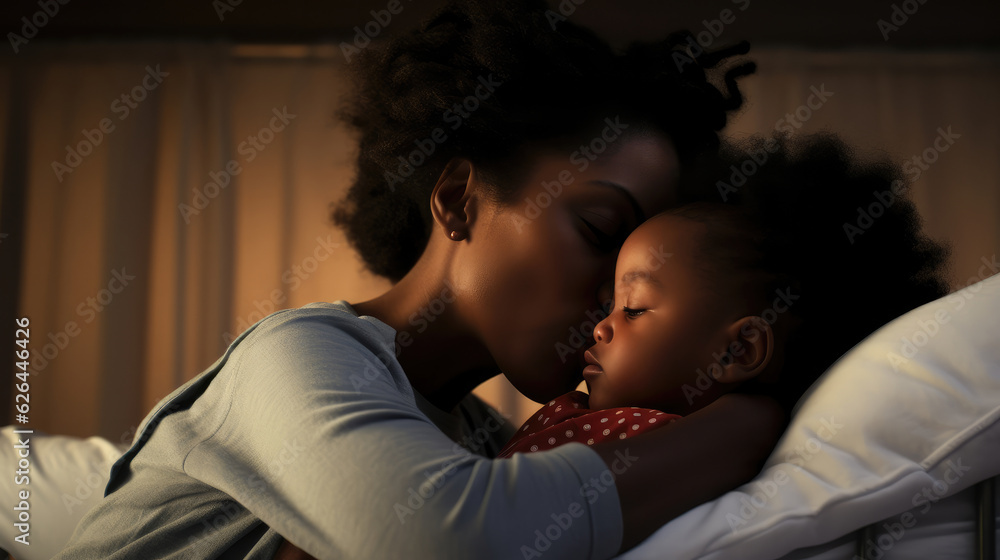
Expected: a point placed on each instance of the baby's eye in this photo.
(632, 313)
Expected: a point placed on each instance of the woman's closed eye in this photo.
(604, 241)
(597, 237)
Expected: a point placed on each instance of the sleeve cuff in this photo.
(599, 496)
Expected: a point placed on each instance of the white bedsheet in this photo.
(912, 411)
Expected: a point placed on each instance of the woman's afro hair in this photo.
(550, 79)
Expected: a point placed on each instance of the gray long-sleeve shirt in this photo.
(307, 427)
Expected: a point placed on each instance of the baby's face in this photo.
(662, 328)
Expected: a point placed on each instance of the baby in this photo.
(670, 341)
(760, 293)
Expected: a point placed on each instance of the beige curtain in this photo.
(202, 203)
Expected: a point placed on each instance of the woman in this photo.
(504, 157)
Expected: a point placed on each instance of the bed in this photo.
(896, 448)
(902, 435)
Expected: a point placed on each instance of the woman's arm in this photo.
(339, 459)
(666, 472)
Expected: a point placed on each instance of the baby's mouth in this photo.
(593, 368)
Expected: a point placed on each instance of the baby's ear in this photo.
(751, 345)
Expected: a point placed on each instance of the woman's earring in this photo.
(456, 236)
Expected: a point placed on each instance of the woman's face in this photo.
(536, 269)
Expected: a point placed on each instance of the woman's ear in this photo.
(751, 346)
(450, 199)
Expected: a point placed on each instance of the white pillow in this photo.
(66, 478)
(908, 416)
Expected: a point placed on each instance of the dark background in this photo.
(829, 24)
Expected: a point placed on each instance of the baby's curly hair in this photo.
(810, 216)
(548, 80)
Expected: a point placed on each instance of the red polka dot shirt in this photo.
(568, 419)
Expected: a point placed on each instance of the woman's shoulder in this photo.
(320, 337)
(326, 317)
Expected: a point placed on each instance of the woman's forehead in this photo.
(646, 166)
